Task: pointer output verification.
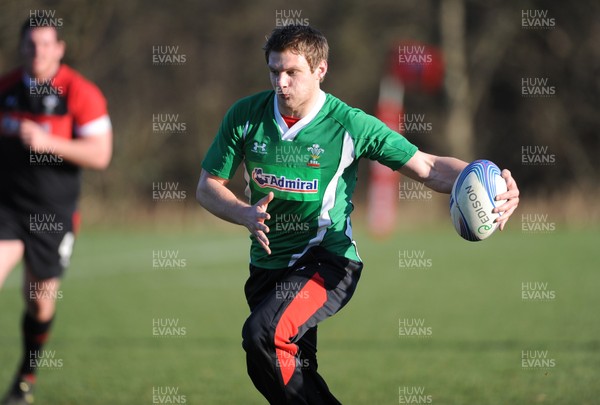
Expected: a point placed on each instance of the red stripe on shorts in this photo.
(304, 305)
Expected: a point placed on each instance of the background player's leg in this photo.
(40, 302)
(40, 296)
(46, 256)
(11, 252)
(40, 299)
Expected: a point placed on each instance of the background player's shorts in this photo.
(48, 239)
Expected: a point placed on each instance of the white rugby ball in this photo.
(472, 200)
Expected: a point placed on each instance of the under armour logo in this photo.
(260, 148)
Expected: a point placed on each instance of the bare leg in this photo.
(11, 252)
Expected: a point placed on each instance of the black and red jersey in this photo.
(67, 106)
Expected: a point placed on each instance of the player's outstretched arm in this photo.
(436, 172)
(439, 174)
(213, 194)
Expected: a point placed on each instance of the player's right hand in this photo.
(256, 222)
(512, 197)
(33, 135)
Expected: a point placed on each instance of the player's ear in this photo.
(321, 70)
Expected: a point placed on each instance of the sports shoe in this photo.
(21, 392)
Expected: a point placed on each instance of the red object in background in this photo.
(419, 66)
(411, 66)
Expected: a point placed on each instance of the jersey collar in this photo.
(289, 134)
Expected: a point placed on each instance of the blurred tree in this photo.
(482, 114)
(459, 124)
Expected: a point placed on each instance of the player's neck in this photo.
(45, 75)
(302, 110)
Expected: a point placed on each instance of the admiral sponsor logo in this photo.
(297, 185)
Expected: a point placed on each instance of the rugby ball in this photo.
(472, 200)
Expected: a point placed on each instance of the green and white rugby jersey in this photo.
(311, 168)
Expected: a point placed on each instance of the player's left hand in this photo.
(512, 197)
(34, 135)
(255, 216)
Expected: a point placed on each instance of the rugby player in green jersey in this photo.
(300, 149)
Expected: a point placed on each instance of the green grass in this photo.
(470, 297)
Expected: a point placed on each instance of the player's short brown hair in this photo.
(301, 40)
(28, 26)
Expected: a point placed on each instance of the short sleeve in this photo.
(376, 141)
(88, 107)
(226, 152)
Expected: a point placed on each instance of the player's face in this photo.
(42, 52)
(296, 87)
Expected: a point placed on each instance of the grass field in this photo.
(468, 296)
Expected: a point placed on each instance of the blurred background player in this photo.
(300, 148)
(53, 123)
